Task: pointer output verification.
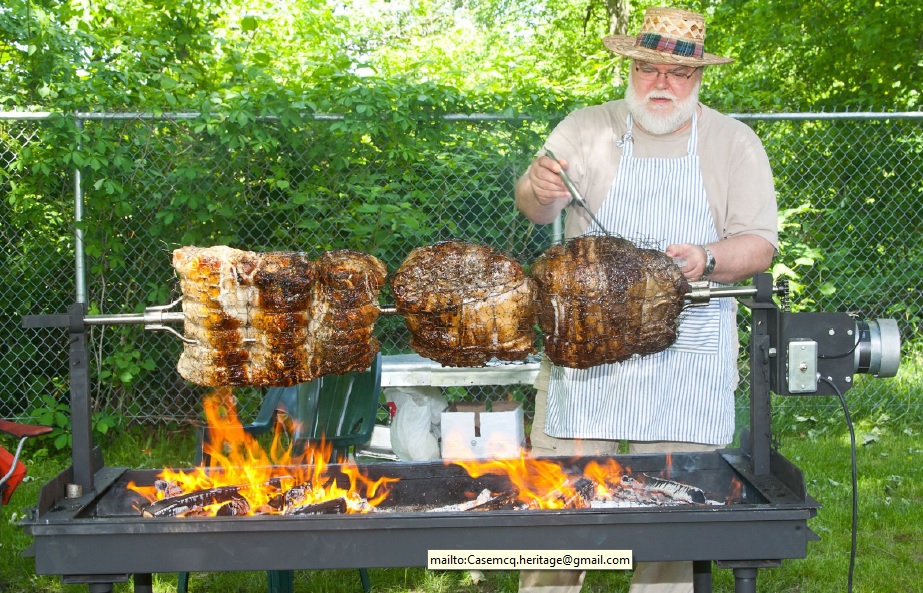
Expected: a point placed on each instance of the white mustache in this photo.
(660, 95)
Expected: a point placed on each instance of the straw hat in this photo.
(668, 36)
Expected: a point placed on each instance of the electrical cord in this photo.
(843, 355)
(855, 482)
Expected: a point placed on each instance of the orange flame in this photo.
(237, 459)
(606, 477)
(735, 491)
(543, 484)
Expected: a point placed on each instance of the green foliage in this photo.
(196, 56)
(323, 126)
(814, 54)
(56, 413)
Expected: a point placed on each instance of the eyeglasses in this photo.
(648, 73)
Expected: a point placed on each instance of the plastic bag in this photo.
(415, 426)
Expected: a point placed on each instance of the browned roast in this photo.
(602, 300)
(465, 304)
(275, 318)
(247, 313)
(343, 311)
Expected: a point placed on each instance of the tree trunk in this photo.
(618, 12)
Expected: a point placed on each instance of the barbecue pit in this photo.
(86, 530)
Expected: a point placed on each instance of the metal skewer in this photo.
(157, 318)
(576, 196)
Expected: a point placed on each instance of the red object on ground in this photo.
(6, 461)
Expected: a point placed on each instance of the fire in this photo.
(238, 460)
(543, 484)
(735, 491)
(606, 477)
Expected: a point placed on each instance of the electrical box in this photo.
(802, 366)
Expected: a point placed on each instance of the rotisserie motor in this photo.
(275, 318)
(602, 300)
(465, 304)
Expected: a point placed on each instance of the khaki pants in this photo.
(648, 577)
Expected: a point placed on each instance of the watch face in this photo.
(709, 261)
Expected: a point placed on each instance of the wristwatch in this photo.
(709, 261)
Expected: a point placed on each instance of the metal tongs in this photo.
(576, 197)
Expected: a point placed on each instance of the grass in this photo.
(890, 557)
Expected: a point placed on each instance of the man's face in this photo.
(662, 97)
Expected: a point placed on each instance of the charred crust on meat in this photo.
(276, 318)
(603, 300)
(465, 304)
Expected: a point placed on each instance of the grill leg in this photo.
(365, 580)
(281, 581)
(745, 580)
(701, 576)
(144, 583)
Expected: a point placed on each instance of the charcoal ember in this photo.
(233, 508)
(465, 304)
(335, 506)
(167, 489)
(602, 300)
(276, 318)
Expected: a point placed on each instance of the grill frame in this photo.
(72, 537)
(72, 540)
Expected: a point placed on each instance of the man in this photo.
(663, 169)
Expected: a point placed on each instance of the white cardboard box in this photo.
(469, 431)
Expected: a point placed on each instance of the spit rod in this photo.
(156, 318)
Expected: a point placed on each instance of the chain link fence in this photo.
(133, 187)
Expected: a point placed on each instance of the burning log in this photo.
(651, 492)
(336, 506)
(675, 490)
(485, 501)
(195, 502)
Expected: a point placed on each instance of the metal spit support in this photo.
(700, 293)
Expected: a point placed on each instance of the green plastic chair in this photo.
(338, 410)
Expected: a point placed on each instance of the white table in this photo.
(405, 370)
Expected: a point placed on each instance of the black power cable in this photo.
(855, 482)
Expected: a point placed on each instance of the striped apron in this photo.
(686, 392)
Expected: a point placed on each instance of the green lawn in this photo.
(890, 555)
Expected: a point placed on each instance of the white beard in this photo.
(656, 119)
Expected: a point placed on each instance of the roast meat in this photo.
(602, 300)
(276, 318)
(465, 304)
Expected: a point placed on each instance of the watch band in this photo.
(709, 261)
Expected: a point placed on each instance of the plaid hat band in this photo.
(670, 45)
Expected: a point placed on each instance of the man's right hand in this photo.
(540, 191)
(545, 178)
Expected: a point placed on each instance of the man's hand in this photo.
(545, 177)
(694, 257)
(540, 192)
(736, 258)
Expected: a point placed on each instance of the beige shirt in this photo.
(735, 169)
